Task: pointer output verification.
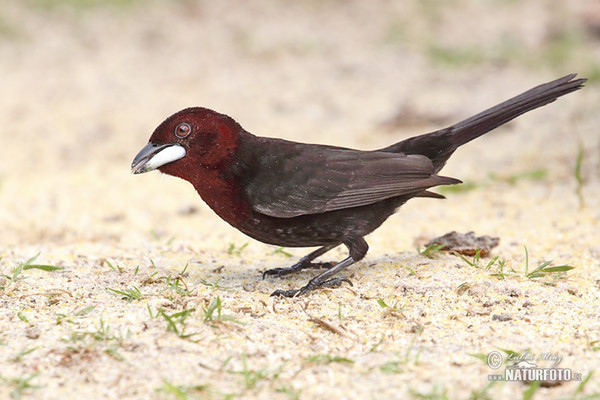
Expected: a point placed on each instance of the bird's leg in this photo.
(303, 263)
(319, 281)
(358, 248)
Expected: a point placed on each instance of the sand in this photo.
(159, 298)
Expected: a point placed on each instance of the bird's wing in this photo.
(296, 179)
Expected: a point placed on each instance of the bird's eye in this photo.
(182, 130)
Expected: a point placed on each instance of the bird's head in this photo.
(189, 139)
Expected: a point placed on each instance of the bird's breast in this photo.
(223, 196)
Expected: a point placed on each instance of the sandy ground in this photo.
(144, 260)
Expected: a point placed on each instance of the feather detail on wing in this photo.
(333, 178)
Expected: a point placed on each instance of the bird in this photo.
(294, 194)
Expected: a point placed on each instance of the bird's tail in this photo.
(439, 145)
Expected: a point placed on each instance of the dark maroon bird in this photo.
(301, 195)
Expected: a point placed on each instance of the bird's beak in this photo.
(153, 156)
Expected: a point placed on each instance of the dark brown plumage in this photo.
(302, 195)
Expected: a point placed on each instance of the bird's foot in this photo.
(312, 285)
(297, 267)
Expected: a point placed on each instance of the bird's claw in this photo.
(277, 272)
(331, 283)
(295, 268)
(285, 293)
